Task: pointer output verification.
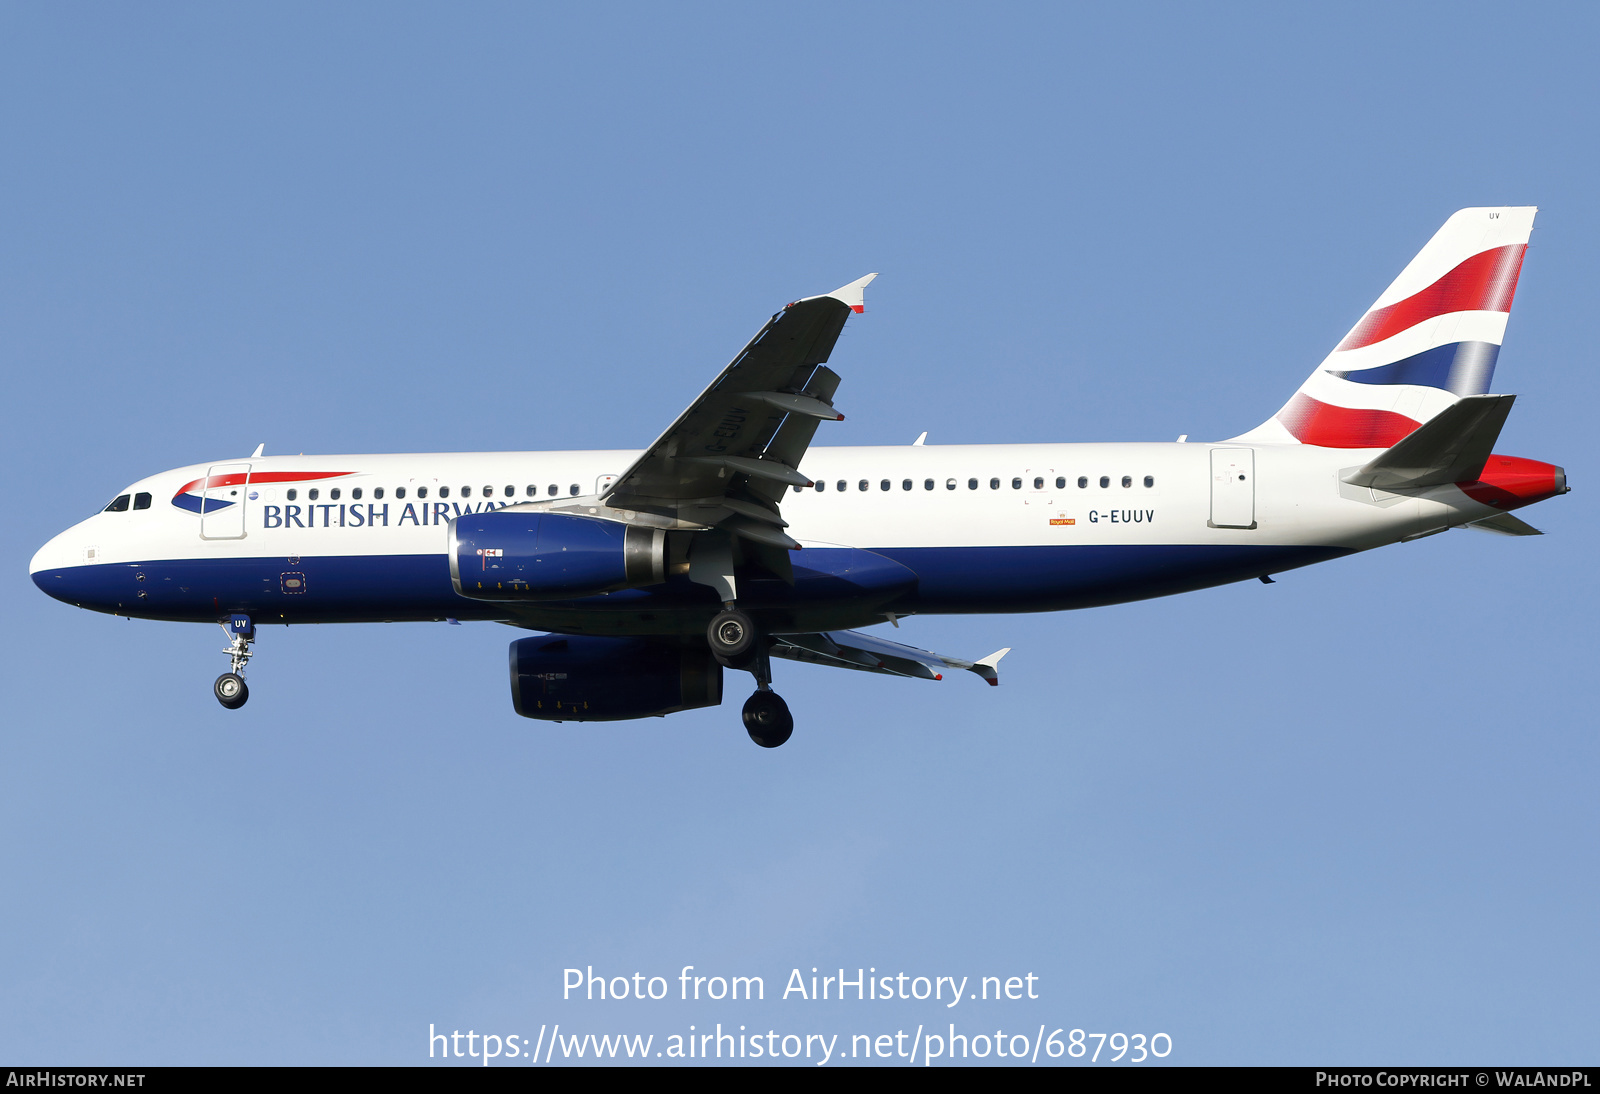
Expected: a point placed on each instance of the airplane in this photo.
(730, 541)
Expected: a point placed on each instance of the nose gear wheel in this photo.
(231, 690)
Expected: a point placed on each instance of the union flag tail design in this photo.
(1431, 338)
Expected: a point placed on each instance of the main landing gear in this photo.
(230, 688)
(737, 643)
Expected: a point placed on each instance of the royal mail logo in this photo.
(1058, 522)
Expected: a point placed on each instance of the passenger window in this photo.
(1105, 481)
(553, 490)
(444, 492)
(1061, 482)
(884, 485)
(1016, 484)
(1127, 481)
(141, 501)
(573, 489)
(313, 494)
(511, 491)
(422, 491)
(841, 486)
(994, 484)
(972, 484)
(333, 495)
(356, 493)
(1149, 481)
(118, 505)
(466, 491)
(821, 486)
(1083, 482)
(927, 484)
(949, 484)
(863, 485)
(292, 494)
(377, 493)
(905, 484)
(533, 491)
(1038, 482)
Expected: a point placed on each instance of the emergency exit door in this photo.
(1233, 488)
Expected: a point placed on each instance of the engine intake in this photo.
(551, 556)
(591, 679)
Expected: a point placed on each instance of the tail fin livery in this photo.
(1431, 339)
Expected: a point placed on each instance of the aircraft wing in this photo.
(728, 459)
(869, 653)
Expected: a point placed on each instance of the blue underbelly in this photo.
(368, 588)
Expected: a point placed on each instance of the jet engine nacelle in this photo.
(589, 679)
(551, 556)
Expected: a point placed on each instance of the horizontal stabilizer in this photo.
(869, 653)
(1506, 525)
(1450, 447)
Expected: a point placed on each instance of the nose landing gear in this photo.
(230, 688)
(738, 644)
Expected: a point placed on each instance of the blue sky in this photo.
(1347, 818)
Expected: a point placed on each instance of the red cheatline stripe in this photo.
(261, 477)
(1327, 426)
(1485, 282)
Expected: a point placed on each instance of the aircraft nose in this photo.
(56, 554)
(58, 568)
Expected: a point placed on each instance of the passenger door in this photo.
(223, 499)
(1233, 488)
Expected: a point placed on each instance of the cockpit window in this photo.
(141, 501)
(120, 505)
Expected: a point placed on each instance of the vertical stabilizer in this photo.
(1431, 339)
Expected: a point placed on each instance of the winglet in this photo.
(854, 294)
(988, 668)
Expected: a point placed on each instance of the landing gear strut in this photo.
(230, 688)
(736, 643)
